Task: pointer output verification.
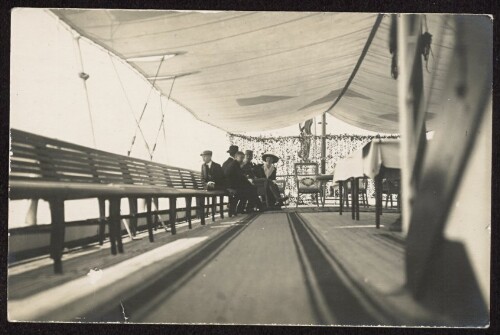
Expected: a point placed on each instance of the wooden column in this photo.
(102, 220)
(57, 233)
(172, 213)
(115, 224)
(341, 197)
(189, 201)
(353, 199)
(200, 203)
(133, 215)
(378, 199)
(149, 219)
(214, 207)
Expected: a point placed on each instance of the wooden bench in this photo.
(56, 171)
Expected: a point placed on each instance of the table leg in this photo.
(378, 199)
(353, 200)
(341, 191)
(356, 190)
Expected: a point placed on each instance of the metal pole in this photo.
(323, 144)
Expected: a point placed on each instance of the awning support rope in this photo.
(84, 76)
(145, 105)
(129, 104)
(162, 124)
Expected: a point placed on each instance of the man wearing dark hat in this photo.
(236, 180)
(212, 175)
(233, 149)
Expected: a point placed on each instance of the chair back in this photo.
(305, 177)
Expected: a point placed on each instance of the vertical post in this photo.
(149, 219)
(132, 202)
(378, 199)
(323, 144)
(201, 208)
(353, 199)
(115, 222)
(410, 98)
(356, 185)
(156, 215)
(189, 201)
(341, 198)
(172, 213)
(214, 207)
(102, 220)
(57, 233)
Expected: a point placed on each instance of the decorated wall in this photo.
(294, 149)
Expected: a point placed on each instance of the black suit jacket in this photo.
(234, 175)
(214, 174)
(226, 164)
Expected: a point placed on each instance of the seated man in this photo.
(211, 173)
(248, 166)
(243, 186)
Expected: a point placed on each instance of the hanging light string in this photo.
(129, 104)
(84, 76)
(145, 105)
(162, 125)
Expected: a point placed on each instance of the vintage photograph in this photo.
(250, 168)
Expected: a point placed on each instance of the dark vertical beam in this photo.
(57, 233)
(341, 197)
(149, 219)
(200, 200)
(214, 207)
(189, 201)
(353, 199)
(356, 185)
(172, 213)
(102, 220)
(323, 145)
(115, 222)
(378, 199)
(132, 202)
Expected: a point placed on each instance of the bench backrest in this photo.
(34, 157)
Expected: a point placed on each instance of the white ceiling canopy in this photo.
(250, 71)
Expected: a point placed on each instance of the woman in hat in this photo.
(268, 171)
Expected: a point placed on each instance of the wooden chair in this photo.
(305, 178)
(391, 187)
(363, 192)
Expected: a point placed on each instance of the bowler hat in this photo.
(233, 149)
(248, 152)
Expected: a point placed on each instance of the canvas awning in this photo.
(249, 71)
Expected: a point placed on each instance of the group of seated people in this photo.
(240, 174)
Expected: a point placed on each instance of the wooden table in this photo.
(377, 159)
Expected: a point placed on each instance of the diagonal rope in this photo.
(162, 125)
(145, 105)
(84, 77)
(129, 104)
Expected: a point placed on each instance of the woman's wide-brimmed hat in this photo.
(275, 158)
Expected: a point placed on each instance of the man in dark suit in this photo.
(233, 149)
(245, 190)
(248, 166)
(212, 175)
